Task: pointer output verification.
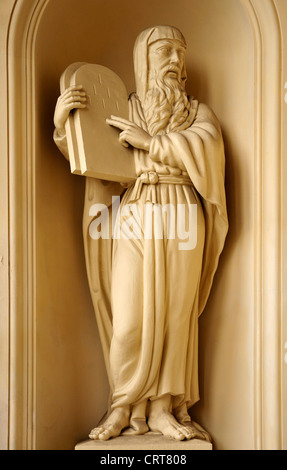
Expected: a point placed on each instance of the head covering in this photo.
(143, 41)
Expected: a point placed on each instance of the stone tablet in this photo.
(93, 145)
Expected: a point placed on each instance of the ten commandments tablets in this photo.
(93, 145)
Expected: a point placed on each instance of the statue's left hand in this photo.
(131, 133)
(73, 97)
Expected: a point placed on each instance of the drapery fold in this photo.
(198, 152)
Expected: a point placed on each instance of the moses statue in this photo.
(148, 291)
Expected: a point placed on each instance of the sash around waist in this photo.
(152, 178)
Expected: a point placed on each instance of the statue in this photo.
(148, 291)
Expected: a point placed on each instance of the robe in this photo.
(148, 294)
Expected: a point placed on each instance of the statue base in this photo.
(149, 441)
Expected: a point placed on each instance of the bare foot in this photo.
(113, 426)
(197, 431)
(161, 420)
(166, 424)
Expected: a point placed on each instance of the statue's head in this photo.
(159, 52)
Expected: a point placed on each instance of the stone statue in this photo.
(148, 291)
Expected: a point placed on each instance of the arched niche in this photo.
(55, 382)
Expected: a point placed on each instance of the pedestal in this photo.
(149, 441)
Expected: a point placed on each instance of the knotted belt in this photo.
(152, 178)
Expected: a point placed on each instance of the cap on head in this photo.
(143, 41)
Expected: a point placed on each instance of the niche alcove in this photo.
(54, 387)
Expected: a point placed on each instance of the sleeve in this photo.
(199, 150)
(61, 142)
(164, 150)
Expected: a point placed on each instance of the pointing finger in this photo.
(120, 119)
(121, 125)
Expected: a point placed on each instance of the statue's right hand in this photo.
(73, 98)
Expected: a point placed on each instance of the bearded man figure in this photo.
(147, 292)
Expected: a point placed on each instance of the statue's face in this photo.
(166, 59)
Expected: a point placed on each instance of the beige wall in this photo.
(63, 387)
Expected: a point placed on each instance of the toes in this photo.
(109, 432)
(178, 436)
(94, 434)
(105, 435)
(193, 433)
(101, 433)
(188, 433)
(176, 432)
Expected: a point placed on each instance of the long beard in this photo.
(166, 107)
